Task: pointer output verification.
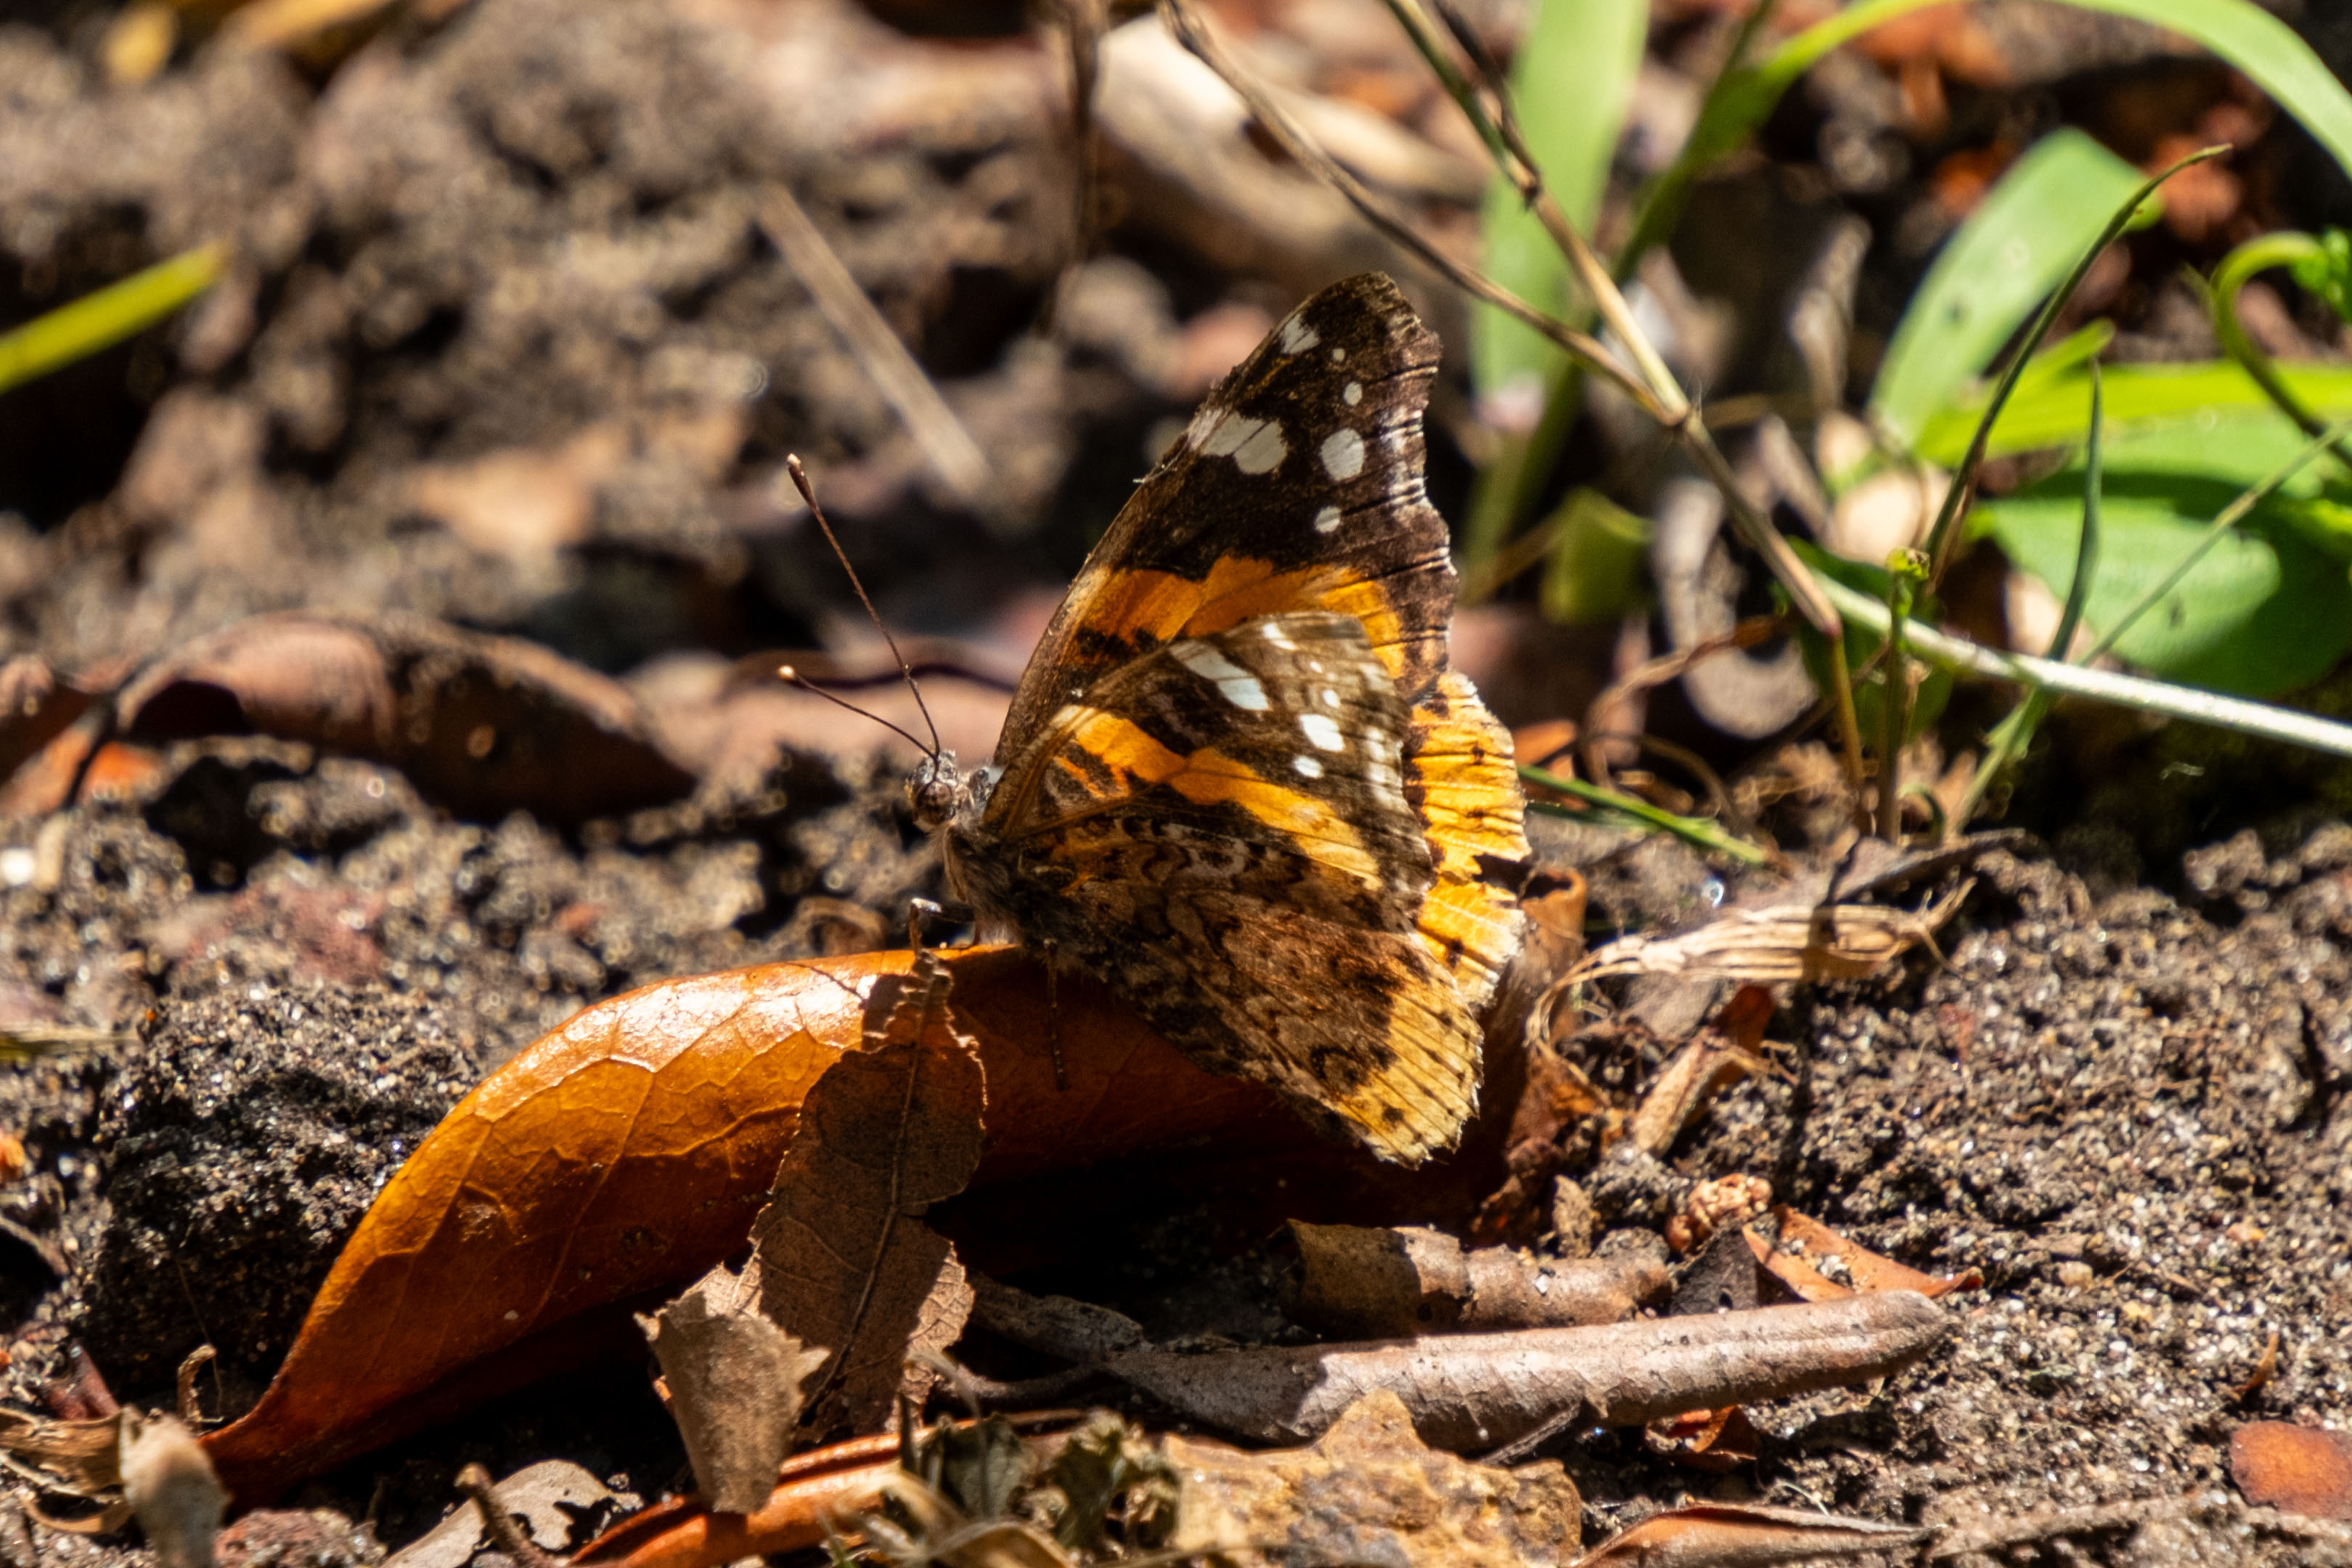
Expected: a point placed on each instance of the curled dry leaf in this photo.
(1717, 1057)
(1807, 1242)
(481, 724)
(1782, 943)
(1363, 1282)
(1485, 1391)
(733, 1380)
(1720, 1535)
(2297, 1469)
(81, 1456)
(629, 1151)
(840, 1256)
(171, 1490)
(1369, 1491)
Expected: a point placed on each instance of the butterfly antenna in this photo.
(808, 494)
(786, 673)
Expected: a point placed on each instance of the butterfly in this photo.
(1237, 780)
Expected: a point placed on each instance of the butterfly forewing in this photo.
(1297, 486)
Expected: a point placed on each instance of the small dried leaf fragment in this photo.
(1806, 1244)
(1720, 1535)
(1719, 1056)
(734, 1381)
(171, 1490)
(83, 1456)
(1370, 1491)
(840, 1256)
(2297, 1469)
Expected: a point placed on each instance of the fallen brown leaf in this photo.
(1711, 1440)
(1364, 1282)
(1472, 1392)
(840, 1256)
(172, 1490)
(1717, 1057)
(1370, 1491)
(733, 1380)
(672, 1107)
(1811, 1243)
(2298, 1469)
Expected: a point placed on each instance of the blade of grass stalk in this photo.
(1944, 537)
(1651, 386)
(1957, 654)
(1191, 31)
(2238, 270)
(2054, 411)
(99, 320)
(1696, 831)
(2086, 549)
(2014, 733)
(2223, 521)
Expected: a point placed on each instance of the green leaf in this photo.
(2055, 411)
(2265, 611)
(1597, 568)
(2240, 32)
(1569, 85)
(2016, 246)
(99, 320)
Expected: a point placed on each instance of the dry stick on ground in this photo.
(1084, 22)
(1652, 389)
(504, 1532)
(939, 434)
(1472, 1392)
(1748, 634)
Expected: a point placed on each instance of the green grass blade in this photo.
(2086, 551)
(1570, 83)
(2015, 249)
(97, 321)
(1694, 830)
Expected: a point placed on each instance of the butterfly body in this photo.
(1237, 780)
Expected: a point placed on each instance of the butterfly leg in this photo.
(1052, 950)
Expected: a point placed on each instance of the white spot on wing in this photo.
(1297, 337)
(1322, 732)
(1339, 356)
(1255, 446)
(1237, 685)
(1278, 638)
(1327, 520)
(1352, 393)
(1343, 453)
(1309, 768)
(1330, 697)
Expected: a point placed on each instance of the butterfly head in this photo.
(939, 792)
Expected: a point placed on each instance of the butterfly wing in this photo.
(1298, 486)
(1221, 829)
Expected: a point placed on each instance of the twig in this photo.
(945, 445)
(505, 1535)
(2161, 697)
(1470, 1392)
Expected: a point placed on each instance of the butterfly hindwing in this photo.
(1228, 818)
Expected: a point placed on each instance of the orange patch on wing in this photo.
(1208, 777)
(1470, 806)
(1163, 606)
